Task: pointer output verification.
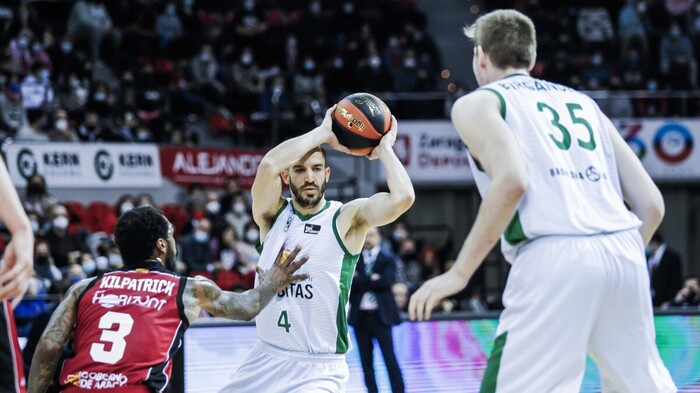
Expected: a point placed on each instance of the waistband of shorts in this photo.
(302, 356)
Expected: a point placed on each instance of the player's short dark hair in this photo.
(137, 232)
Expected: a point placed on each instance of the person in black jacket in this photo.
(665, 269)
(373, 310)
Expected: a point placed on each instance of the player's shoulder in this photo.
(476, 103)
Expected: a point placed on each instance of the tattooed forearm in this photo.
(51, 344)
(225, 304)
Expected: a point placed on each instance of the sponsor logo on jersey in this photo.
(297, 290)
(111, 300)
(96, 380)
(152, 285)
(312, 229)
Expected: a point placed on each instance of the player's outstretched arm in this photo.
(638, 189)
(202, 293)
(477, 119)
(18, 260)
(267, 187)
(54, 338)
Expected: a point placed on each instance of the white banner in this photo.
(666, 147)
(433, 153)
(88, 165)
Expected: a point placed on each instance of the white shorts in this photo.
(268, 369)
(568, 296)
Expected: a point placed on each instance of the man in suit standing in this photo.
(373, 310)
(665, 269)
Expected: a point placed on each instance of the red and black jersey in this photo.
(129, 326)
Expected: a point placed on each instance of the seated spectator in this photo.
(37, 92)
(91, 130)
(597, 75)
(20, 53)
(145, 199)
(64, 247)
(125, 203)
(62, 130)
(678, 59)
(233, 265)
(37, 198)
(33, 129)
(688, 295)
(45, 269)
(196, 248)
(247, 80)
(239, 215)
(168, 25)
(411, 270)
(401, 295)
(66, 61)
(13, 114)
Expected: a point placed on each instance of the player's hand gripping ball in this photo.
(360, 120)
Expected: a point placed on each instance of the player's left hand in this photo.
(327, 126)
(429, 295)
(17, 268)
(387, 141)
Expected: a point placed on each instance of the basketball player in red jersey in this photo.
(16, 267)
(127, 325)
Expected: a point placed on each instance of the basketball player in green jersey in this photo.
(554, 174)
(303, 333)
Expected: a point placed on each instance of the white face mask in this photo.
(115, 261)
(60, 222)
(201, 236)
(89, 266)
(239, 207)
(213, 207)
(126, 206)
(35, 226)
(61, 124)
(252, 236)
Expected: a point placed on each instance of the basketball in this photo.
(359, 121)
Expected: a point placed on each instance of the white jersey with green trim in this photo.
(309, 316)
(574, 184)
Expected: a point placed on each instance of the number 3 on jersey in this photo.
(565, 141)
(124, 323)
(283, 321)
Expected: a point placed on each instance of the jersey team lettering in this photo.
(97, 380)
(138, 284)
(111, 300)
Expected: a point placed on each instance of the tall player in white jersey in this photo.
(303, 333)
(554, 174)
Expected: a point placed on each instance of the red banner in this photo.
(210, 167)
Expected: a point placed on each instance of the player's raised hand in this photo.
(387, 141)
(17, 268)
(282, 271)
(327, 126)
(429, 295)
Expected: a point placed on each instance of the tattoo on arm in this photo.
(231, 305)
(51, 343)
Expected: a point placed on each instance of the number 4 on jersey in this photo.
(283, 321)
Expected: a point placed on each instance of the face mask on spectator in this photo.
(409, 63)
(675, 31)
(66, 46)
(115, 261)
(246, 59)
(316, 8)
(205, 56)
(309, 64)
(375, 62)
(201, 236)
(60, 222)
(143, 135)
(338, 62)
(393, 42)
(170, 10)
(348, 7)
(89, 266)
(23, 42)
(252, 235)
(398, 234)
(36, 47)
(239, 208)
(100, 96)
(61, 124)
(249, 4)
(213, 207)
(42, 260)
(45, 75)
(125, 207)
(597, 60)
(35, 226)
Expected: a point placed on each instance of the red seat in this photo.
(177, 215)
(77, 216)
(101, 217)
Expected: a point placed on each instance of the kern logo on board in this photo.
(312, 229)
(104, 166)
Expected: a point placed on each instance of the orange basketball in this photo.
(359, 121)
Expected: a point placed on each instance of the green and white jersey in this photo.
(574, 185)
(309, 316)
